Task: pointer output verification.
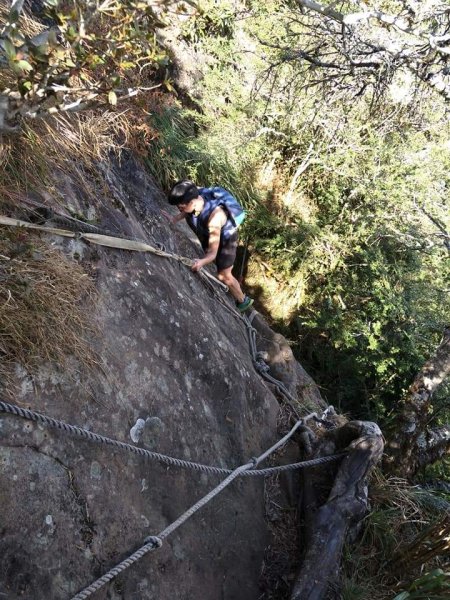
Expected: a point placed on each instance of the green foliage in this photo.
(349, 222)
(441, 469)
(400, 513)
(431, 586)
(367, 267)
(93, 53)
(216, 19)
(376, 296)
(183, 148)
(380, 304)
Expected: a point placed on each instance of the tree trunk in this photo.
(328, 524)
(410, 445)
(433, 446)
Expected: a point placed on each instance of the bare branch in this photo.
(439, 225)
(411, 44)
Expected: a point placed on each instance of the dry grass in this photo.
(72, 145)
(398, 515)
(41, 305)
(63, 146)
(27, 24)
(41, 291)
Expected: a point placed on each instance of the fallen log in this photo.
(326, 524)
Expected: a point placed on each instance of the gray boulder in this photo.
(175, 375)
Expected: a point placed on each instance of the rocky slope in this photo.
(171, 355)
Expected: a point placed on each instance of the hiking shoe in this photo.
(246, 303)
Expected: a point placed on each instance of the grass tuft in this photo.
(72, 145)
(398, 516)
(41, 305)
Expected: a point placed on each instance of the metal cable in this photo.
(156, 541)
(169, 460)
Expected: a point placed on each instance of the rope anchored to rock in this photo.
(154, 542)
(108, 241)
(248, 469)
(133, 245)
(31, 415)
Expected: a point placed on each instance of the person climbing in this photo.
(214, 215)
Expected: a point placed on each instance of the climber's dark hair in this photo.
(183, 191)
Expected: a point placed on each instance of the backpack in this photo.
(224, 198)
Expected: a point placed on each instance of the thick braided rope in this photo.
(321, 460)
(169, 460)
(152, 543)
(156, 541)
(263, 368)
(198, 505)
(101, 439)
(284, 439)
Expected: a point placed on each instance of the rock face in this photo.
(176, 376)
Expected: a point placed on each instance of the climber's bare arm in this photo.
(215, 224)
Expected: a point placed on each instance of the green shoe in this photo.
(246, 303)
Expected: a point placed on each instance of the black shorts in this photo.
(226, 254)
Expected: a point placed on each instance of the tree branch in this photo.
(433, 446)
(439, 225)
(410, 425)
(418, 55)
(328, 524)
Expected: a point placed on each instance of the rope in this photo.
(168, 460)
(156, 541)
(110, 242)
(257, 357)
(153, 542)
(262, 367)
(134, 245)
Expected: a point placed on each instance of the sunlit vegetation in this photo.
(343, 167)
